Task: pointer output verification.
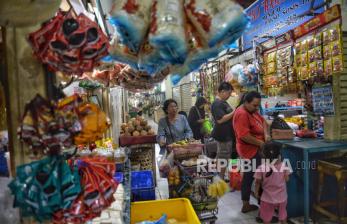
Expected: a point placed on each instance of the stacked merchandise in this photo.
(278, 72)
(308, 57)
(332, 50)
(319, 54)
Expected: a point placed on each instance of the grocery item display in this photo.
(136, 127)
(319, 54)
(279, 74)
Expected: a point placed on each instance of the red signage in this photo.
(326, 17)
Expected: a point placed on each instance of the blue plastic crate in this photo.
(118, 176)
(142, 185)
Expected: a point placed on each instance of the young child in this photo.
(272, 180)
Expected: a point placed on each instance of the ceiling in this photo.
(245, 3)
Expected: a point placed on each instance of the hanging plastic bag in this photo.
(217, 21)
(165, 164)
(167, 32)
(132, 19)
(248, 76)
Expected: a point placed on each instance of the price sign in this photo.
(323, 100)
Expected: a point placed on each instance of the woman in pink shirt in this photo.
(272, 176)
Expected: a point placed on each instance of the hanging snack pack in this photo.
(45, 129)
(69, 44)
(313, 69)
(217, 21)
(94, 123)
(337, 63)
(122, 53)
(167, 32)
(40, 39)
(97, 194)
(336, 48)
(44, 187)
(150, 60)
(320, 68)
(326, 52)
(328, 67)
(132, 19)
(198, 54)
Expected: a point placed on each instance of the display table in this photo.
(301, 154)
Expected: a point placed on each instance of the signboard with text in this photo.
(275, 17)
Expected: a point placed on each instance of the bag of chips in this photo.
(121, 53)
(167, 32)
(328, 67)
(131, 19)
(217, 21)
(337, 63)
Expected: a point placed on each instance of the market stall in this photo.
(302, 73)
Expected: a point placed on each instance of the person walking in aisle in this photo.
(222, 114)
(251, 132)
(196, 117)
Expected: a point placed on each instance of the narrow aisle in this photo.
(229, 206)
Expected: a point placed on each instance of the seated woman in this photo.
(173, 127)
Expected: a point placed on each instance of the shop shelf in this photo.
(142, 185)
(283, 109)
(180, 209)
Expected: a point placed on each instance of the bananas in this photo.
(180, 143)
(218, 188)
(296, 120)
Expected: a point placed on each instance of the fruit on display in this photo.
(136, 127)
(218, 188)
(180, 143)
(295, 120)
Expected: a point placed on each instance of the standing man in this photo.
(222, 114)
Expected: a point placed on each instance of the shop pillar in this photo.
(24, 79)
